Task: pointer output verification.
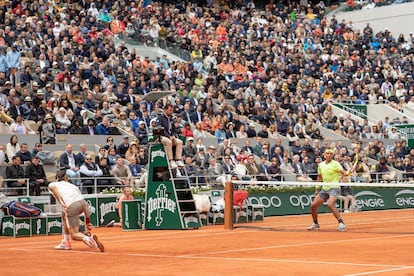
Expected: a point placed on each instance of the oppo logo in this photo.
(301, 201)
(267, 202)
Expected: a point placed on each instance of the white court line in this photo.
(276, 261)
(296, 245)
(270, 260)
(155, 236)
(380, 271)
(56, 250)
(391, 267)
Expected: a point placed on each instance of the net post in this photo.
(228, 208)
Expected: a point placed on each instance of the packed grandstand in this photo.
(253, 89)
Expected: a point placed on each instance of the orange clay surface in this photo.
(212, 250)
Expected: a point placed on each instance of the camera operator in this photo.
(170, 136)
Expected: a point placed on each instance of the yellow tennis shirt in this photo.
(330, 174)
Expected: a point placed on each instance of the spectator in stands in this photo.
(68, 161)
(110, 143)
(123, 122)
(48, 130)
(384, 172)
(104, 128)
(220, 133)
(132, 152)
(252, 167)
(36, 149)
(106, 180)
(24, 154)
(190, 149)
(16, 175)
(241, 133)
(12, 146)
(123, 148)
(63, 119)
(16, 109)
(37, 176)
(286, 164)
(18, 127)
(227, 165)
(121, 172)
(89, 171)
(299, 170)
(141, 133)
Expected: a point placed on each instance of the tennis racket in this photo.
(355, 161)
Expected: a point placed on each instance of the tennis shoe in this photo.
(90, 242)
(98, 244)
(314, 226)
(173, 165)
(111, 223)
(64, 245)
(341, 227)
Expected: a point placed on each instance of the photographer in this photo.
(170, 138)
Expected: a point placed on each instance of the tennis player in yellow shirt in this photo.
(330, 172)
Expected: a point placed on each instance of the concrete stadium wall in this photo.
(397, 18)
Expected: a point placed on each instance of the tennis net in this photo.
(366, 207)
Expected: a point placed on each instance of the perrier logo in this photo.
(160, 204)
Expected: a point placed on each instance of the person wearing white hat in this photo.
(63, 119)
(48, 130)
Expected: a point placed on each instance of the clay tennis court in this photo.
(276, 246)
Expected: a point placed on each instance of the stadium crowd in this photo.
(279, 68)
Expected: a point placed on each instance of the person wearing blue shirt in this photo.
(220, 133)
(104, 128)
(13, 58)
(3, 63)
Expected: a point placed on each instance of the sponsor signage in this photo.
(7, 226)
(93, 209)
(22, 227)
(54, 225)
(131, 215)
(102, 209)
(106, 210)
(286, 203)
(39, 226)
(408, 129)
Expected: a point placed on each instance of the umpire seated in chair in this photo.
(170, 137)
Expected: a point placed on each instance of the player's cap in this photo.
(329, 151)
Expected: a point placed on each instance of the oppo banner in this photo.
(286, 203)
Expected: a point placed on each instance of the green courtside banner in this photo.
(131, 215)
(287, 203)
(106, 209)
(409, 131)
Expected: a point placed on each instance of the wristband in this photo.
(88, 220)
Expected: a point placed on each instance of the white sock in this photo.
(66, 237)
(86, 238)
